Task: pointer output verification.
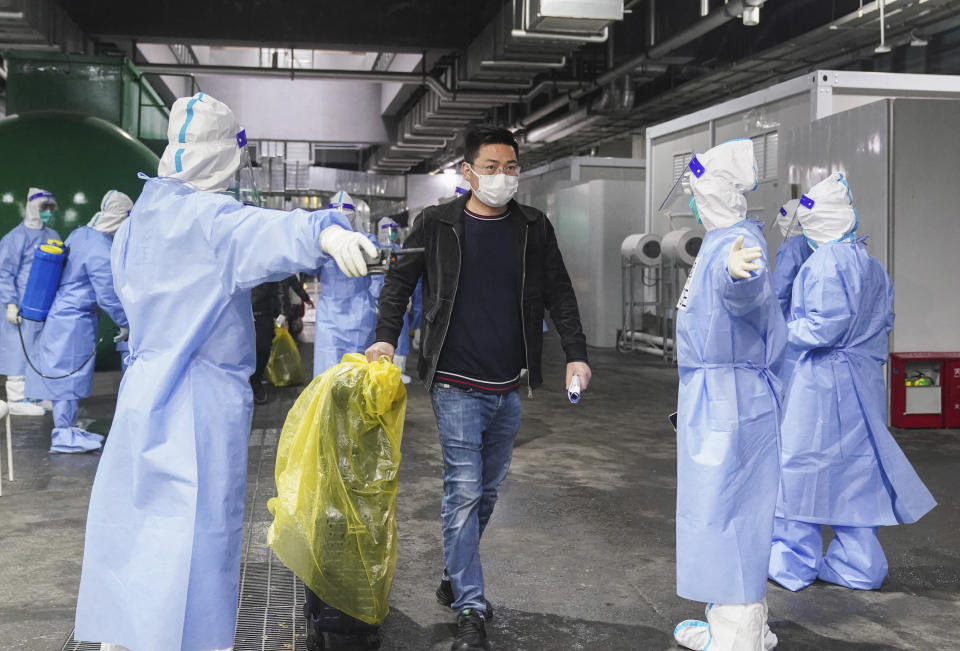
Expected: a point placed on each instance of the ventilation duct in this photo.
(577, 16)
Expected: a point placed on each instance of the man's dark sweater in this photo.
(483, 349)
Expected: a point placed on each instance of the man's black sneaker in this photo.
(471, 632)
(445, 598)
(314, 635)
(259, 393)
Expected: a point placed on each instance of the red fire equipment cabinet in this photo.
(925, 390)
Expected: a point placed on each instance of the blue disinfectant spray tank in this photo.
(48, 261)
(42, 284)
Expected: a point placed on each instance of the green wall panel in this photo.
(110, 88)
(76, 157)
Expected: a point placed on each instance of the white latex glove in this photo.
(347, 249)
(13, 314)
(123, 335)
(741, 260)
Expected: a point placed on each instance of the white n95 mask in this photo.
(495, 190)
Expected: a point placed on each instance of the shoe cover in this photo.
(770, 639)
(16, 388)
(855, 559)
(692, 634)
(26, 408)
(729, 627)
(796, 553)
(74, 440)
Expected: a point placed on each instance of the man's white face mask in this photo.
(495, 190)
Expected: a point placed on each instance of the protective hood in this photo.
(36, 197)
(343, 202)
(114, 209)
(826, 212)
(718, 179)
(787, 219)
(387, 231)
(204, 143)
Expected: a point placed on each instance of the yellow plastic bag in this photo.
(335, 518)
(285, 367)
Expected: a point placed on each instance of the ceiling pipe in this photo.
(646, 68)
(524, 35)
(714, 19)
(525, 65)
(479, 98)
(651, 23)
(396, 152)
(566, 131)
(883, 48)
(540, 134)
(517, 86)
(710, 22)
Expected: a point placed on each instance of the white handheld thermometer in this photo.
(573, 391)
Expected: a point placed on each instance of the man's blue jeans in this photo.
(477, 431)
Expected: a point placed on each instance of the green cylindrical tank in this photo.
(78, 158)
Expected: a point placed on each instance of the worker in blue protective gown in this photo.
(161, 563)
(730, 341)
(16, 257)
(792, 253)
(388, 238)
(66, 344)
(346, 310)
(840, 464)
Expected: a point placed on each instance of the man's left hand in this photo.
(578, 368)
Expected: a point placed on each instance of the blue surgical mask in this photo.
(696, 211)
(46, 216)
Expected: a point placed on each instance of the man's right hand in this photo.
(378, 350)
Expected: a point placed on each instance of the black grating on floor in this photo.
(269, 613)
(73, 645)
(271, 605)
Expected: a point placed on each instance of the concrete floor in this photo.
(579, 554)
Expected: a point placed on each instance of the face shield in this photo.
(363, 216)
(41, 208)
(389, 233)
(679, 201)
(343, 203)
(712, 187)
(787, 220)
(244, 187)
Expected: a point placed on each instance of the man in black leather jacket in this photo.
(490, 270)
